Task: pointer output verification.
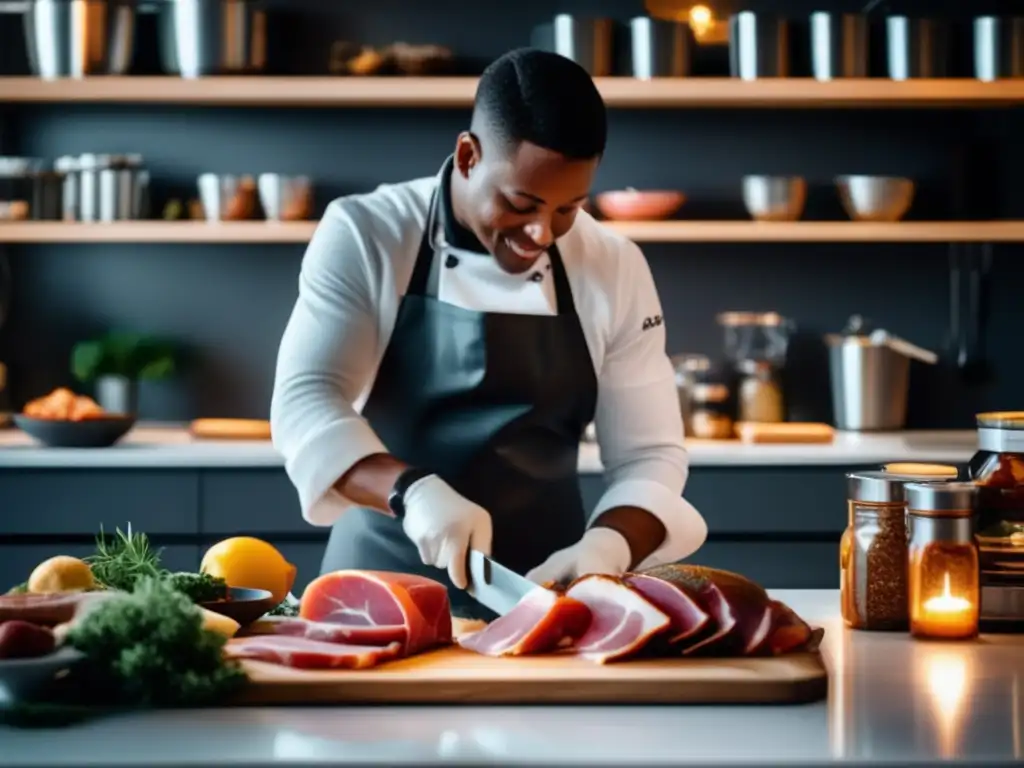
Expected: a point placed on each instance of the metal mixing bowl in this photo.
(774, 198)
(875, 198)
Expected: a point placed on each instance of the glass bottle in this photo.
(760, 396)
(943, 574)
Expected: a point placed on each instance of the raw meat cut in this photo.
(541, 622)
(623, 620)
(790, 632)
(49, 609)
(382, 599)
(300, 653)
(329, 631)
(687, 617)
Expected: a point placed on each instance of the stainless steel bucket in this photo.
(212, 37)
(870, 384)
(75, 38)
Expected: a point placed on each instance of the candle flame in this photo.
(947, 602)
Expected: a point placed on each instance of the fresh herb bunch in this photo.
(121, 563)
(149, 649)
(199, 587)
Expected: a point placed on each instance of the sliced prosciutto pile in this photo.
(543, 621)
(353, 620)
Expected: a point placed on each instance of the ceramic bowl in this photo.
(243, 605)
(89, 433)
(639, 205)
(25, 679)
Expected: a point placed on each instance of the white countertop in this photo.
(891, 699)
(156, 445)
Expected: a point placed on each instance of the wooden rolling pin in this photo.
(231, 429)
(789, 432)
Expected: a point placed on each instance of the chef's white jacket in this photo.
(354, 273)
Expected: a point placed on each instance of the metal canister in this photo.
(758, 46)
(839, 45)
(660, 48)
(916, 47)
(998, 47)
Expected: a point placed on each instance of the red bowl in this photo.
(639, 205)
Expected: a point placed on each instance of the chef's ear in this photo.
(467, 153)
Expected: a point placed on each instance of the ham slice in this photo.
(687, 618)
(381, 599)
(623, 620)
(541, 622)
(328, 631)
(300, 653)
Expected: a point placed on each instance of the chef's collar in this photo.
(455, 235)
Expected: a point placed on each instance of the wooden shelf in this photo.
(457, 92)
(641, 232)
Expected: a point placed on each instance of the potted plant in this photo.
(116, 362)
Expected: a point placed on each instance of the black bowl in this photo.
(244, 605)
(89, 433)
(23, 679)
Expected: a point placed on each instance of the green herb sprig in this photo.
(121, 563)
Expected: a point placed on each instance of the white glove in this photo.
(444, 525)
(601, 550)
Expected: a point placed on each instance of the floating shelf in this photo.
(641, 232)
(457, 92)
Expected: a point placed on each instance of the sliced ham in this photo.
(688, 619)
(543, 621)
(328, 631)
(623, 621)
(376, 599)
(300, 653)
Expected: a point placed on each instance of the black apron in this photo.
(496, 405)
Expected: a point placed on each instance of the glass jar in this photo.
(709, 412)
(997, 469)
(943, 568)
(760, 396)
(873, 552)
(690, 371)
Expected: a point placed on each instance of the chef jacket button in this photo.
(537, 277)
(452, 261)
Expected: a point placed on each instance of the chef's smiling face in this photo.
(517, 201)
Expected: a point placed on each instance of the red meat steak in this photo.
(623, 619)
(49, 609)
(329, 631)
(382, 599)
(687, 617)
(300, 653)
(541, 622)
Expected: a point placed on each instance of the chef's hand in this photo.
(601, 550)
(444, 525)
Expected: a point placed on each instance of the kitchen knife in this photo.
(493, 585)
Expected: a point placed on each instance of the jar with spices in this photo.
(997, 469)
(760, 396)
(709, 412)
(943, 569)
(873, 552)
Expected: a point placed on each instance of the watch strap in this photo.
(405, 480)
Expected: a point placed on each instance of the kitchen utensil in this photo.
(916, 48)
(243, 605)
(639, 205)
(212, 37)
(495, 586)
(870, 376)
(660, 48)
(875, 198)
(774, 198)
(998, 47)
(789, 432)
(758, 46)
(839, 45)
(89, 433)
(103, 187)
(75, 38)
(24, 680)
(454, 675)
(226, 197)
(231, 429)
(587, 41)
(285, 198)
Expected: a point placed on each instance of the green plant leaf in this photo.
(87, 360)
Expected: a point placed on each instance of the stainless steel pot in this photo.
(916, 47)
(660, 48)
(839, 45)
(998, 48)
(758, 46)
(75, 38)
(212, 37)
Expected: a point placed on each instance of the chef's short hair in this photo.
(545, 99)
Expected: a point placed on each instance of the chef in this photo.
(454, 336)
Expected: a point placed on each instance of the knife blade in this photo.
(493, 585)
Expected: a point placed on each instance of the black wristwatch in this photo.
(396, 499)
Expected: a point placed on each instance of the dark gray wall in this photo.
(229, 303)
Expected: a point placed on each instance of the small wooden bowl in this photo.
(638, 205)
(101, 432)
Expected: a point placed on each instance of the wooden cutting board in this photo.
(456, 676)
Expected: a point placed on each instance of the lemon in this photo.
(244, 561)
(61, 574)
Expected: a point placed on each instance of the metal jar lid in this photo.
(1001, 431)
(879, 487)
(941, 499)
